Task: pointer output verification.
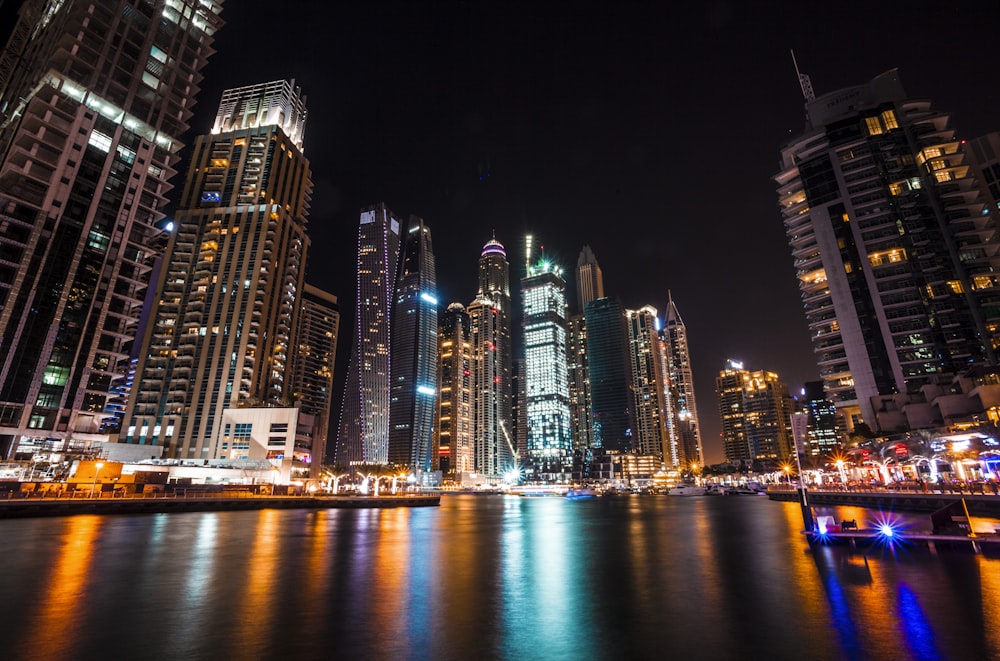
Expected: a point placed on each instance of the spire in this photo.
(673, 316)
(804, 82)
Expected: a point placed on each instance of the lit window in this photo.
(889, 119)
(873, 125)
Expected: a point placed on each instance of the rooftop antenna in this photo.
(804, 82)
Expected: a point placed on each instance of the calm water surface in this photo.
(485, 577)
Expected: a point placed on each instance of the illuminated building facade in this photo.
(227, 305)
(363, 436)
(684, 408)
(550, 437)
(313, 362)
(454, 427)
(94, 99)
(607, 359)
(414, 368)
(581, 415)
(821, 436)
(589, 287)
(489, 320)
(648, 388)
(755, 410)
(895, 246)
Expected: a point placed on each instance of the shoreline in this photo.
(17, 508)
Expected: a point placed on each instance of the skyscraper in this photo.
(224, 320)
(314, 361)
(581, 414)
(94, 98)
(895, 249)
(589, 279)
(489, 318)
(364, 421)
(648, 385)
(550, 437)
(454, 427)
(681, 382)
(413, 391)
(607, 357)
(755, 409)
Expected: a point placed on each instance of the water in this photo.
(485, 577)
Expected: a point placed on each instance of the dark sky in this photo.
(648, 130)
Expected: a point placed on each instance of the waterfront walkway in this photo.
(19, 507)
(985, 504)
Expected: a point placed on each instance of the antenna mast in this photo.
(804, 82)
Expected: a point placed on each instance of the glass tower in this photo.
(94, 99)
(413, 393)
(607, 358)
(546, 383)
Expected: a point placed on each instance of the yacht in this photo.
(687, 490)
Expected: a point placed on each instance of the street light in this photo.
(98, 466)
(788, 473)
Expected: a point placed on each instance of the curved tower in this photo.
(414, 353)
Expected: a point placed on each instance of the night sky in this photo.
(649, 131)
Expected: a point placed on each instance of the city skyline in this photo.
(575, 125)
(583, 123)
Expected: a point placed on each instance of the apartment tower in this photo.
(225, 314)
(895, 247)
(94, 99)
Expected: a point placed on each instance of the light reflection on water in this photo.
(486, 577)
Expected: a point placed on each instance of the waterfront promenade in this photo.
(979, 504)
(20, 507)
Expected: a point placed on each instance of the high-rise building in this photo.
(589, 280)
(363, 435)
(454, 427)
(607, 358)
(489, 319)
(895, 247)
(94, 99)
(313, 362)
(684, 408)
(546, 383)
(648, 387)
(821, 436)
(985, 152)
(755, 410)
(224, 318)
(413, 389)
(581, 414)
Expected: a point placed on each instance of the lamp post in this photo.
(98, 466)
